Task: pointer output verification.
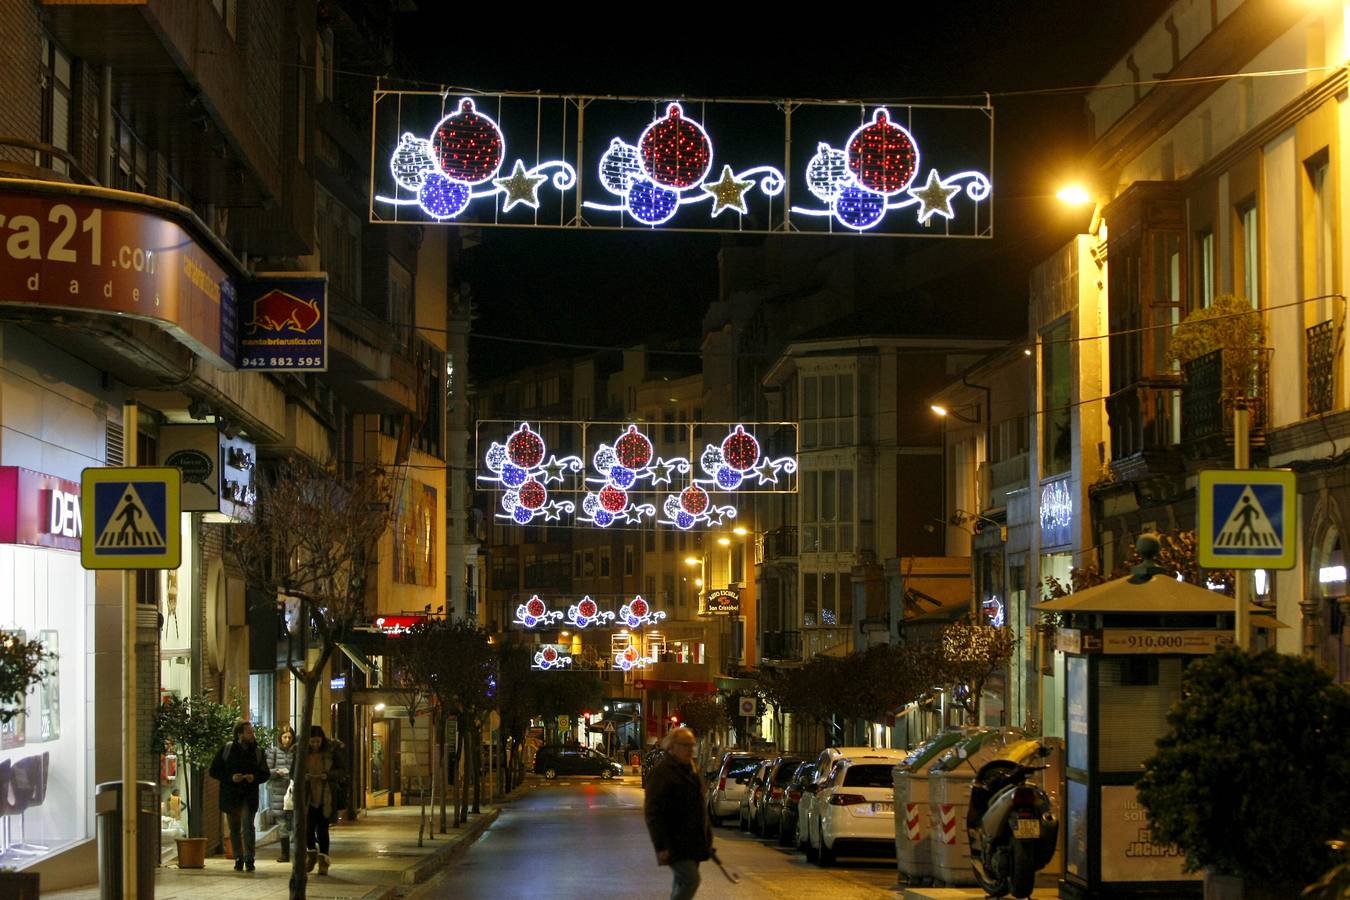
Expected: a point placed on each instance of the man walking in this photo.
(676, 817)
(241, 768)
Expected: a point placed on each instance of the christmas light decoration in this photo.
(535, 612)
(551, 657)
(586, 612)
(738, 458)
(467, 148)
(630, 658)
(638, 612)
(667, 169)
(519, 467)
(621, 465)
(873, 176)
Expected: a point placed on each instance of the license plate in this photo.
(1026, 828)
(883, 806)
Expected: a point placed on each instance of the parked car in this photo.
(556, 759)
(724, 795)
(857, 808)
(787, 827)
(757, 787)
(810, 808)
(767, 815)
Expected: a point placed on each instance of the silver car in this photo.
(732, 783)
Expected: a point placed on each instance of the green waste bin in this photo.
(108, 803)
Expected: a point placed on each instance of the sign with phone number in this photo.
(283, 323)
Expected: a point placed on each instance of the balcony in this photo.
(780, 645)
(1143, 418)
(1214, 382)
(666, 670)
(1320, 373)
(777, 545)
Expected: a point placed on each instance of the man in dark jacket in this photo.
(241, 769)
(676, 816)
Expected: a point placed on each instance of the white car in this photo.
(857, 807)
(808, 822)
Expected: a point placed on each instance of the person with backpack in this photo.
(241, 768)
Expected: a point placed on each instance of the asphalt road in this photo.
(583, 837)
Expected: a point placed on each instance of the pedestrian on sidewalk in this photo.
(676, 817)
(241, 768)
(325, 769)
(280, 757)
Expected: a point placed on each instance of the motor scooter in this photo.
(1012, 827)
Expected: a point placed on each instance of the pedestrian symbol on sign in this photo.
(1248, 528)
(130, 526)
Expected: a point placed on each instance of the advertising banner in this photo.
(724, 602)
(283, 323)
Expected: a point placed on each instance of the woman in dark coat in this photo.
(676, 817)
(325, 770)
(241, 769)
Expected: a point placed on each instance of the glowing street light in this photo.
(1074, 195)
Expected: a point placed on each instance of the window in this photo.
(827, 406)
(1056, 397)
(1323, 239)
(131, 161)
(400, 310)
(629, 561)
(649, 586)
(228, 10)
(323, 68)
(576, 565)
(649, 540)
(667, 588)
(667, 540)
(339, 246)
(56, 104)
(604, 562)
(1249, 254)
(737, 563)
(827, 511)
(1204, 269)
(415, 534)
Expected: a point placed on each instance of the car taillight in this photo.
(846, 799)
(1024, 796)
(722, 785)
(776, 792)
(794, 795)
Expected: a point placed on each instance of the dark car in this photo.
(792, 794)
(768, 812)
(758, 787)
(554, 760)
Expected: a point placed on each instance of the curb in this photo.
(431, 864)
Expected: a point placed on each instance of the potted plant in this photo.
(193, 728)
(23, 664)
(1252, 782)
(1232, 325)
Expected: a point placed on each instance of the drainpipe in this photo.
(105, 129)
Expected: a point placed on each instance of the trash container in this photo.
(913, 822)
(108, 803)
(949, 783)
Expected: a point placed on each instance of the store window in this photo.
(177, 610)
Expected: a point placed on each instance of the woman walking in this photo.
(324, 769)
(280, 757)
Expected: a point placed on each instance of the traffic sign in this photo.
(131, 517)
(749, 706)
(609, 728)
(1248, 519)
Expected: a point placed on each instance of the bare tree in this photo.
(416, 651)
(310, 545)
(972, 655)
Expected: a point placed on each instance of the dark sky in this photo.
(954, 51)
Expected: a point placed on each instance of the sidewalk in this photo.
(371, 858)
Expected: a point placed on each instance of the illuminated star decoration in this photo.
(873, 175)
(521, 187)
(935, 197)
(553, 470)
(666, 169)
(728, 192)
(660, 471)
(767, 471)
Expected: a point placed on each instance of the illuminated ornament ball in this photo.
(638, 607)
(590, 504)
(441, 197)
(496, 458)
(622, 476)
(587, 608)
(513, 475)
(633, 449)
(728, 479)
(828, 174)
(694, 499)
(535, 607)
(740, 450)
(613, 499)
(510, 499)
(412, 161)
(883, 156)
(604, 519)
(467, 145)
(859, 208)
(652, 204)
(712, 459)
(533, 494)
(604, 458)
(525, 448)
(522, 515)
(619, 166)
(684, 521)
(550, 655)
(676, 151)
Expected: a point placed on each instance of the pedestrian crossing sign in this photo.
(131, 518)
(1247, 519)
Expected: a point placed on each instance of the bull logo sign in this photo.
(283, 324)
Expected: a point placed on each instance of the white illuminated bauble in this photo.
(827, 174)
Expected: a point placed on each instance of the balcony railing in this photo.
(780, 645)
(779, 544)
(1141, 418)
(1320, 376)
(1211, 394)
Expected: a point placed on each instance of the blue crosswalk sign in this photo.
(132, 518)
(1247, 519)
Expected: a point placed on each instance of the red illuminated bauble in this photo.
(525, 448)
(532, 494)
(675, 151)
(468, 147)
(633, 449)
(587, 608)
(882, 156)
(613, 499)
(638, 607)
(740, 450)
(693, 499)
(535, 607)
(550, 654)
(630, 654)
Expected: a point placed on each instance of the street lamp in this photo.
(702, 575)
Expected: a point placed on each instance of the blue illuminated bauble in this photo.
(531, 621)
(650, 203)
(827, 173)
(684, 520)
(522, 515)
(622, 476)
(859, 208)
(513, 475)
(442, 198)
(619, 165)
(728, 479)
(604, 519)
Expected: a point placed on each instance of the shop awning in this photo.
(358, 658)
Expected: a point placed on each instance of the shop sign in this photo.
(1128, 850)
(398, 625)
(1056, 513)
(284, 323)
(724, 602)
(79, 248)
(1158, 640)
(337, 683)
(39, 510)
(217, 470)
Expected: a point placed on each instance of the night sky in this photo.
(954, 51)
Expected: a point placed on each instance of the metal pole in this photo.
(130, 800)
(1241, 460)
